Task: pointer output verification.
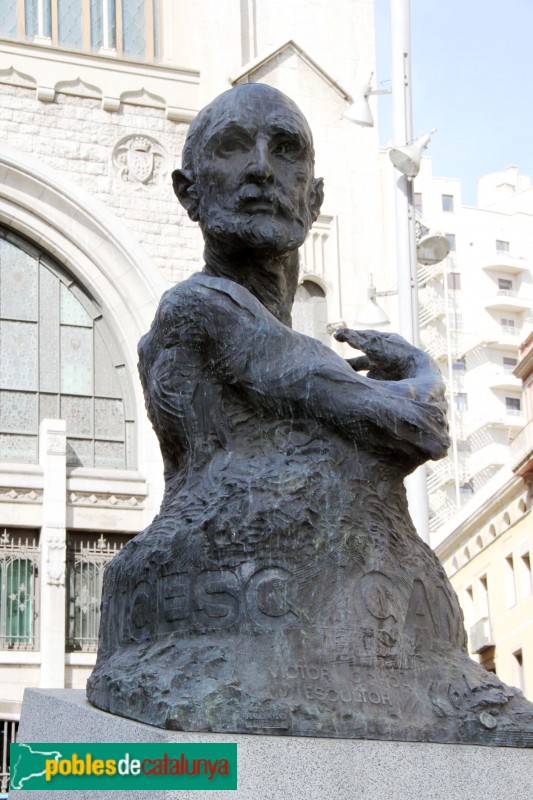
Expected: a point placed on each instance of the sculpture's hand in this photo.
(388, 356)
(408, 373)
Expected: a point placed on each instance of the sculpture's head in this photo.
(247, 171)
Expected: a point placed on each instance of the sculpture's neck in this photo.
(272, 280)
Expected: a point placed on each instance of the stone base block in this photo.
(292, 768)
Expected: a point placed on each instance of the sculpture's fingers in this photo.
(360, 363)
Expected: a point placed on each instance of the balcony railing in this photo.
(508, 419)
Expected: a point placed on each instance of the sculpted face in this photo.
(248, 171)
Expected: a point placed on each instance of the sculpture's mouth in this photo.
(258, 207)
(253, 200)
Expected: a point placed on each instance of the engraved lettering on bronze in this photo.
(142, 610)
(284, 535)
(419, 616)
(216, 595)
(266, 595)
(176, 596)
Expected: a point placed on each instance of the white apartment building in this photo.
(475, 310)
(96, 99)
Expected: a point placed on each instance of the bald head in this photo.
(247, 100)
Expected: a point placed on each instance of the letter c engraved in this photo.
(267, 600)
(380, 596)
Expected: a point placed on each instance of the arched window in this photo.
(58, 360)
(309, 313)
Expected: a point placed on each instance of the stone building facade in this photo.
(93, 115)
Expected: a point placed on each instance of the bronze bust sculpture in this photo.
(282, 588)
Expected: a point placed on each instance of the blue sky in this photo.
(472, 69)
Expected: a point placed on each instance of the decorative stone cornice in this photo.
(11, 495)
(115, 81)
(105, 500)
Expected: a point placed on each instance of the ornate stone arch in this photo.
(85, 237)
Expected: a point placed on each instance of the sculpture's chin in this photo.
(261, 232)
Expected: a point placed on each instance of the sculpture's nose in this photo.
(259, 167)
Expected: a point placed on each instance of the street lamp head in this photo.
(359, 111)
(432, 248)
(371, 315)
(407, 159)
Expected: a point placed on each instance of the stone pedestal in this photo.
(293, 768)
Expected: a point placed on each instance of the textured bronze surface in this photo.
(282, 588)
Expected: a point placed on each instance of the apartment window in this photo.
(483, 596)
(510, 582)
(502, 247)
(509, 364)
(508, 325)
(505, 285)
(512, 405)
(466, 490)
(127, 28)
(417, 199)
(461, 401)
(451, 241)
(459, 364)
(454, 280)
(19, 567)
(518, 669)
(525, 575)
(447, 202)
(456, 320)
(469, 606)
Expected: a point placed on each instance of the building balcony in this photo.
(506, 420)
(480, 635)
(521, 450)
(508, 300)
(504, 381)
(494, 455)
(497, 337)
(504, 262)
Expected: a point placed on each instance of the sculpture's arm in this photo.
(286, 372)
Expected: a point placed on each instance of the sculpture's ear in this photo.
(317, 197)
(185, 190)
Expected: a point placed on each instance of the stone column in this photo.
(52, 457)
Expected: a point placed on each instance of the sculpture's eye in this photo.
(230, 146)
(286, 147)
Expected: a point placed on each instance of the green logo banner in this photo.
(43, 766)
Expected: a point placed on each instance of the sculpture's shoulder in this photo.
(198, 309)
(208, 295)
